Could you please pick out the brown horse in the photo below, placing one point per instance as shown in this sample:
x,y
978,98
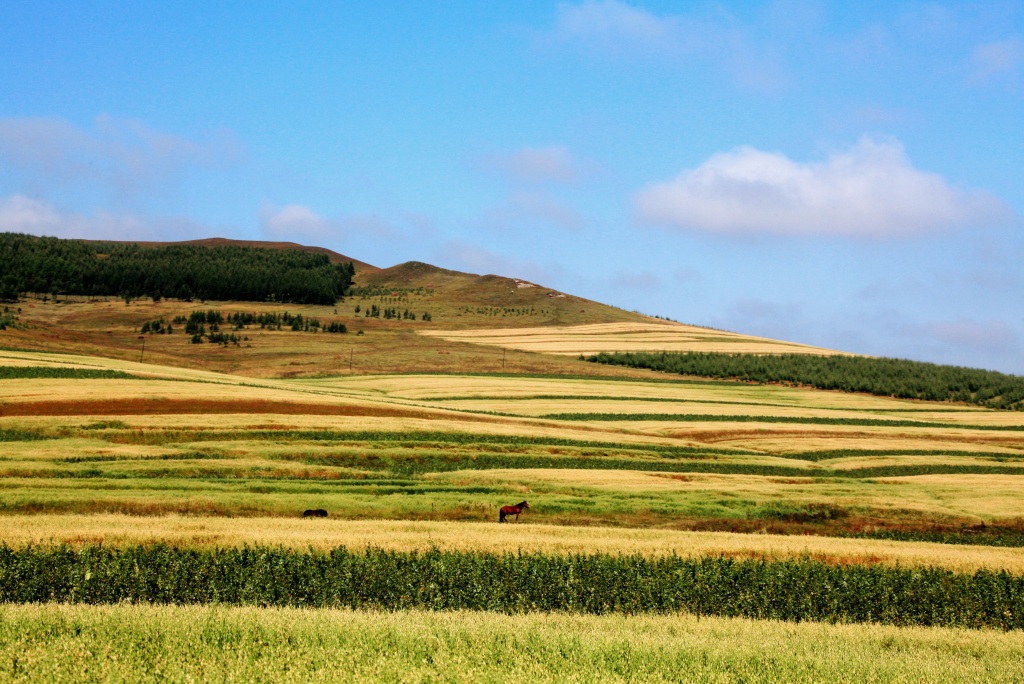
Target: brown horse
x,y
512,510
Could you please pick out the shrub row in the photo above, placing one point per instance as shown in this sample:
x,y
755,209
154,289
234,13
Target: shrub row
x,y
61,373
793,590
879,376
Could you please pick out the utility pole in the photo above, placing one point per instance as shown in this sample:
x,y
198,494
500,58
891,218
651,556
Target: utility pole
x,y
351,353
503,351
143,338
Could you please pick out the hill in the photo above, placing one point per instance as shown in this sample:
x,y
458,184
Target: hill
x,y
470,300
90,268
409,317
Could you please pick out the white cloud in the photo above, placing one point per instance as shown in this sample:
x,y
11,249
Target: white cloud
x,y
535,165
870,190
120,156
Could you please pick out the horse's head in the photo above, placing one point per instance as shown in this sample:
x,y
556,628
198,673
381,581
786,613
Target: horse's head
x,y
524,505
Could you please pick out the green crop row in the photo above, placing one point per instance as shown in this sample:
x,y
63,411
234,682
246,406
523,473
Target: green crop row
x,y
804,420
988,535
793,590
61,373
410,439
829,454
405,466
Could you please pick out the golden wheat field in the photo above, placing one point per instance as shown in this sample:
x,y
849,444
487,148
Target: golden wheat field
x,y
625,336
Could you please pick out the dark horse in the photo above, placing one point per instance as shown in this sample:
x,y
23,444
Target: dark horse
x,y
314,513
512,510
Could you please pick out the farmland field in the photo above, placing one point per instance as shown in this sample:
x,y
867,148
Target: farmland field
x,y
210,448
90,643
632,336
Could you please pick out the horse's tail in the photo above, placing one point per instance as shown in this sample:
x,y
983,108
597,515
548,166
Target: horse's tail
x,y
501,516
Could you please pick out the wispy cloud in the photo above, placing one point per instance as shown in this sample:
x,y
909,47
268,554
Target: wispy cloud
x,y
465,256
536,208
871,190
297,222
999,59
22,214
615,25
621,30
552,164
636,280
979,338
122,157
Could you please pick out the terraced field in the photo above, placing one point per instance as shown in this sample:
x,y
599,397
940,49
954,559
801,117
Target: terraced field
x,y
673,454
113,454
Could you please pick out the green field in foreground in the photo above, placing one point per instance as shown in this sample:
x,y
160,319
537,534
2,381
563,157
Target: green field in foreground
x,y
144,643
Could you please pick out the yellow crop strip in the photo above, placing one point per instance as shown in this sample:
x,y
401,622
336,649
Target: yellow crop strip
x,y
634,336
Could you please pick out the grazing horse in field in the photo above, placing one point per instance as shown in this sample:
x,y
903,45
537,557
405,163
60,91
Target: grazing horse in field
x,y
512,510
314,513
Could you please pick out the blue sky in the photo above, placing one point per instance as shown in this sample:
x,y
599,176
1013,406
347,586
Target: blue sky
x,y
840,174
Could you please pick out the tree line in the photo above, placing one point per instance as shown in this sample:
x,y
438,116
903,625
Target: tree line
x,y
885,377
81,267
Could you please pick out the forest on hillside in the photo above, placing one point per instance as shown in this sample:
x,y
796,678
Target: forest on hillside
x,y
885,377
79,267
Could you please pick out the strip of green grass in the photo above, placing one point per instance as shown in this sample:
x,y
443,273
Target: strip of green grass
x,y
20,435
831,454
417,464
406,439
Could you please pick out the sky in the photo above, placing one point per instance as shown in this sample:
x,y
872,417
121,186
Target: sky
x,y
839,174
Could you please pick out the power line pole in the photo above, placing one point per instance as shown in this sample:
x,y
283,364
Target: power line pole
x,y
143,338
